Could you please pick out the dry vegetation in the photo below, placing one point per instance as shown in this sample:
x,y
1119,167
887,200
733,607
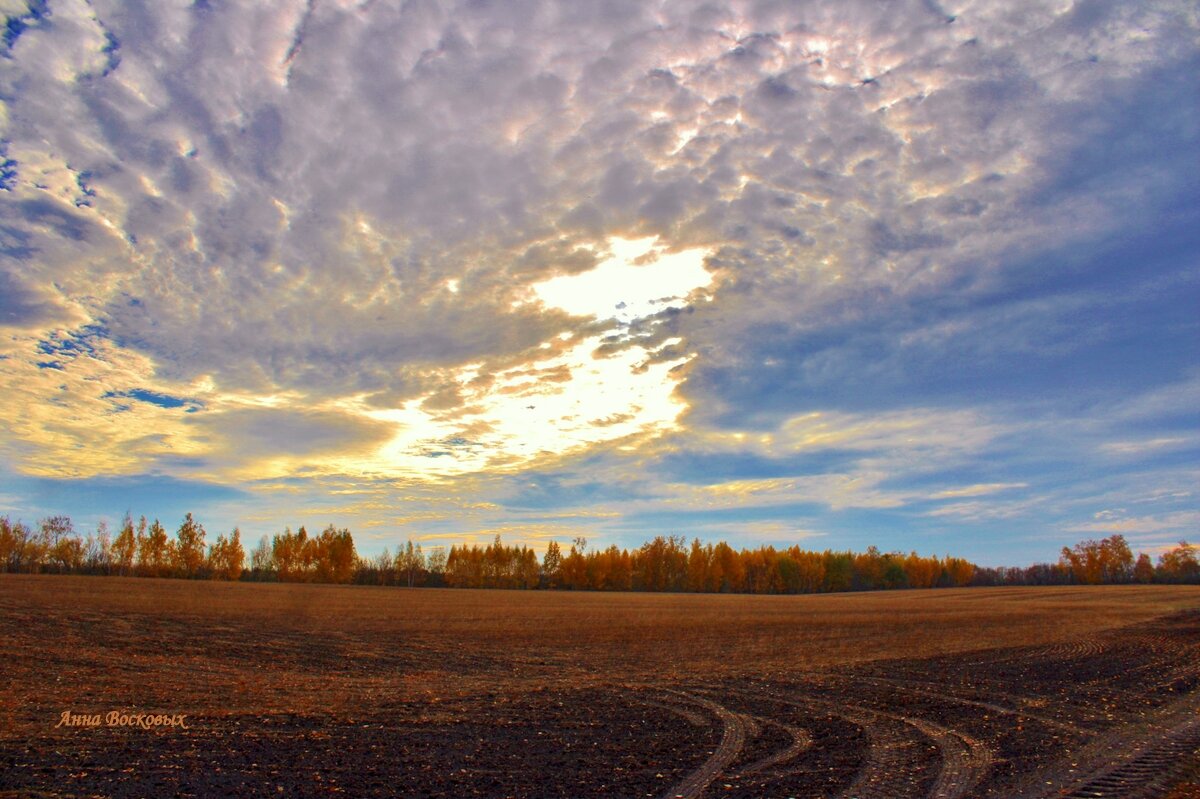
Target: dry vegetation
x,y
375,691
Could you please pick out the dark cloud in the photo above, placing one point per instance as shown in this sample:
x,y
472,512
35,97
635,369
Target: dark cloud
x,y
254,434
53,218
20,306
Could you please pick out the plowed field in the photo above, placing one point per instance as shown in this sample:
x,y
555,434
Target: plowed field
x,y
323,690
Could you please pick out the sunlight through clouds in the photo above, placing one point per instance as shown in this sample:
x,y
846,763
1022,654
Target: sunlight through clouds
x,y
636,281
533,413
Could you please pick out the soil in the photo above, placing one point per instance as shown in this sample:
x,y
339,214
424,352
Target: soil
x,y
272,711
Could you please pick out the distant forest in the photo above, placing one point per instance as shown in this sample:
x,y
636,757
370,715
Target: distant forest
x,y
667,563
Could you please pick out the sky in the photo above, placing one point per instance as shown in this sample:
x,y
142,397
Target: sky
x,y
921,275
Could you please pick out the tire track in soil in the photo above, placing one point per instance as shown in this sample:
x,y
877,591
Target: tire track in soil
x,y
1169,661
1148,775
1181,672
801,741
1071,649
883,774
1128,763
912,687
1163,655
965,761
733,739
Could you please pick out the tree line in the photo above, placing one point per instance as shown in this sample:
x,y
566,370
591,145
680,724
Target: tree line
x,y
670,563
1108,561
666,563
143,550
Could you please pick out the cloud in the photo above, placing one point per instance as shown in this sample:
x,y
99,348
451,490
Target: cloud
x,y
900,239
1183,523
266,442
976,490
1143,446
634,283
818,462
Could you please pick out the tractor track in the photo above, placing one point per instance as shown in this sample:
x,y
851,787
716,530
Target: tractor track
x,y
801,741
737,729
915,687
888,770
1129,762
733,739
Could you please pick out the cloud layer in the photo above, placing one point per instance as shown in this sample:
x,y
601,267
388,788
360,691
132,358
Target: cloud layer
x,y
949,268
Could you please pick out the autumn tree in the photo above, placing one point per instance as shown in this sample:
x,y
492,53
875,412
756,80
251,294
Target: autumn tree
x,y
697,566
725,571
921,572
1179,565
226,558
124,547
651,565
788,571
958,572
1117,559
335,556
839,570
26,548
613,570
759,567
189,549
574,567
235,556
662,564
528,574
811,568
498,565
154,551
8,544
62,548
410,563
1143,570
464,567
435,566
552,565
15,542
1094,562
287,554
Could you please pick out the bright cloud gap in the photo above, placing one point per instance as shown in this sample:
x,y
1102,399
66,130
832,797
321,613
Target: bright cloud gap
x,y
638,280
